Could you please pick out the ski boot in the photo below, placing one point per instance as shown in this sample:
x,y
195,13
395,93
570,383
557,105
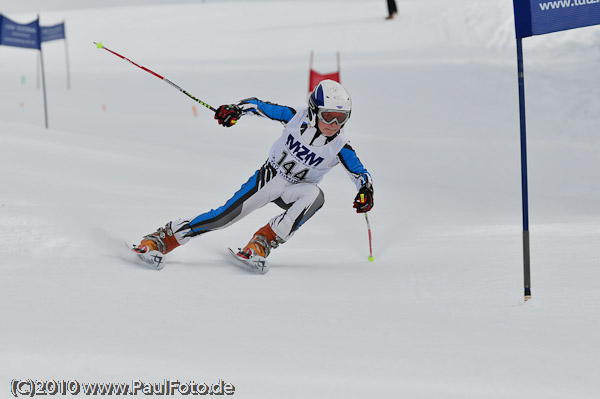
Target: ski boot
x,y
254,254
162,241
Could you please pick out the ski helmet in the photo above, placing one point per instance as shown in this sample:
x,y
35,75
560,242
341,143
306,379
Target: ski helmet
x,y
330,102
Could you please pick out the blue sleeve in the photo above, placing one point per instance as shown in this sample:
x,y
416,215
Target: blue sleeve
x,y
276,112
356,170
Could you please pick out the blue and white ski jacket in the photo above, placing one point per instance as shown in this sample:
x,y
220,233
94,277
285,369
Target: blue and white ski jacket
x,y
302,153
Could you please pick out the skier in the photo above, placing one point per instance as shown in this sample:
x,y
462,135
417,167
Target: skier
x,y
392,9
311,144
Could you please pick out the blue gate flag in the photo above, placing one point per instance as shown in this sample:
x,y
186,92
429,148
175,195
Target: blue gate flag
x,y
538,17
54,32
20,35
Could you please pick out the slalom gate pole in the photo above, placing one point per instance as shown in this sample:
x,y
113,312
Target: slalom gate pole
x,y
370,239
44,86
525,198
67,58
101,46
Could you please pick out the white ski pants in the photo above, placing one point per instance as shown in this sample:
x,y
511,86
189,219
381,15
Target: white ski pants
x,y
300,202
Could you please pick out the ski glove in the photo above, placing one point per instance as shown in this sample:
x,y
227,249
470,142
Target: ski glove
x,y
363,202
228,115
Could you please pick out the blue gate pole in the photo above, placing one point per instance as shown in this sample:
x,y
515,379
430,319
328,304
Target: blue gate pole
x,y
43,74
525,200
67,56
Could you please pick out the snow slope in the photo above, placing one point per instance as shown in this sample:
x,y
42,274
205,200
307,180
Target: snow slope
x,y
438,314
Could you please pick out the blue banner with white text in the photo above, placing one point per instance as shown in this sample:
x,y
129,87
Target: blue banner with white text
x,y
54,32
538,17
20,35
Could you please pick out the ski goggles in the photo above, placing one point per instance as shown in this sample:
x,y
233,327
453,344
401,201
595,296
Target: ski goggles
x,y
329,116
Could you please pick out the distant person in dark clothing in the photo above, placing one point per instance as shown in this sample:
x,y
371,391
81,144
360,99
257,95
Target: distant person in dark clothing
x,y
392,9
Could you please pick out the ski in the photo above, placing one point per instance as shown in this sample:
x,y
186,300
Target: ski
x,y
257,264
153,259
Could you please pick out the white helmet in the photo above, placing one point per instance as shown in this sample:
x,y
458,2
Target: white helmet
x,y
330,102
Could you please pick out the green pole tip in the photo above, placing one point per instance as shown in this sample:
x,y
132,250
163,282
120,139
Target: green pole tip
x,y
371,259
99,45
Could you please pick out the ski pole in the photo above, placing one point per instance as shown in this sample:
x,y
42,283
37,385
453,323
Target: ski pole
x,y
101,46
362,200
371,259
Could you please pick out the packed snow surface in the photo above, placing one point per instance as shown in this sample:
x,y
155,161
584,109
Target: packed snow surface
x,y
438,314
